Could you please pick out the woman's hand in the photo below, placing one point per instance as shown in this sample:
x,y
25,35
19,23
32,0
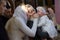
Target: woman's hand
x,y
36,15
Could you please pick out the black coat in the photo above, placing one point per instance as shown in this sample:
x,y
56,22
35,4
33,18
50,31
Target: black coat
x,y
29,23
3,33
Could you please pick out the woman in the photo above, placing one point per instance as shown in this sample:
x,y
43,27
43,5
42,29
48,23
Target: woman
x,y
47,25
52,17
16,26
31,13
3,20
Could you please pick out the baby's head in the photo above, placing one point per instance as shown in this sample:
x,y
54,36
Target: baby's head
x,y
41,10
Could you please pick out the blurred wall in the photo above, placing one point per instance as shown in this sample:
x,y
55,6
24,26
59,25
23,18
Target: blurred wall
x,y
57,10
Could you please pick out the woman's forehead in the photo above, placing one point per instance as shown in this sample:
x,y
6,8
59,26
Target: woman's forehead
x,y
4,2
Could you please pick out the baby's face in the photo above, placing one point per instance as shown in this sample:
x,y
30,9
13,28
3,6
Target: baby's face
x,y
39,12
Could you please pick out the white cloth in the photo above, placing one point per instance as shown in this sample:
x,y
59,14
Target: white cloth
x,y
48,26
17,28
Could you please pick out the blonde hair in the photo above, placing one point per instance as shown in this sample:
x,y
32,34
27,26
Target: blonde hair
x,y
29,6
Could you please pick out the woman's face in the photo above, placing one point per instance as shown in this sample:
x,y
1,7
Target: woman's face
x,y
3,7
31,12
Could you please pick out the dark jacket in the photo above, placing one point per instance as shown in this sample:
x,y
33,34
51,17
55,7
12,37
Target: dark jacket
x,y
3,33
